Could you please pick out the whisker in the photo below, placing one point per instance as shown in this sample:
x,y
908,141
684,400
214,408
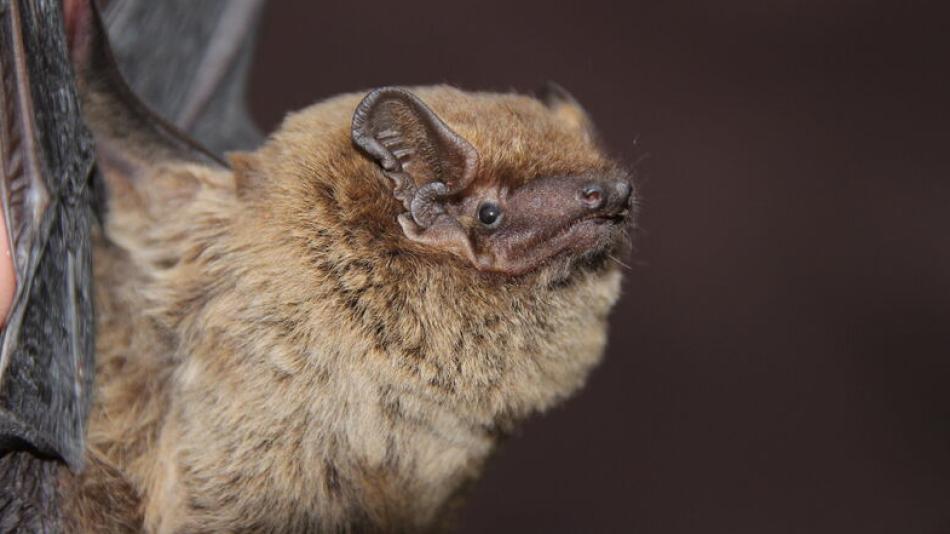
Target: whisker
x,y
622,264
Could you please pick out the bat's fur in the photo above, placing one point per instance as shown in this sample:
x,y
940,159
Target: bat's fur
x,y
275,356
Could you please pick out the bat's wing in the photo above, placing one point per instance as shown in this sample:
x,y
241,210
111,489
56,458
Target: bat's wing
x,y
189,61
46,157
46,352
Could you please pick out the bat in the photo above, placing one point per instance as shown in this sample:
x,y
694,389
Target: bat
x,y
333,331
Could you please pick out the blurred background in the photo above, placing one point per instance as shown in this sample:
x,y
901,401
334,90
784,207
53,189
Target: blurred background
x,y
780,360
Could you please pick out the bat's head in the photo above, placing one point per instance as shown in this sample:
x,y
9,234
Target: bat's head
x,y
502,184
517,184
470,234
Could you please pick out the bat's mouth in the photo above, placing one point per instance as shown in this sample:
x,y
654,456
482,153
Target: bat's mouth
x,y
608,220
599,227
586,236
596,231
618,218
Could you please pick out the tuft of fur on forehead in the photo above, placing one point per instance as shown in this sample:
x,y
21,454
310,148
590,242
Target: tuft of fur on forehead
x,y
518,138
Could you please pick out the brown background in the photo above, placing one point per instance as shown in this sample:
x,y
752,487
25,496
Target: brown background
x,y
780,360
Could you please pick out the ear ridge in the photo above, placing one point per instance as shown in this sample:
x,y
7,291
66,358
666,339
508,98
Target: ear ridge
x,y
414,148
567,109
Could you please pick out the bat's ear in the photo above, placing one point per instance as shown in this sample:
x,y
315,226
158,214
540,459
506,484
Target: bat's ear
x,y
427,162
414,147
566,108
130,140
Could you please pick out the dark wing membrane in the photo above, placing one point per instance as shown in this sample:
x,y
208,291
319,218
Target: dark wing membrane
x,y
46,353
188,61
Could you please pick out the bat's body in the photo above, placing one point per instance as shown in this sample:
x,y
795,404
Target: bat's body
x,y
332,332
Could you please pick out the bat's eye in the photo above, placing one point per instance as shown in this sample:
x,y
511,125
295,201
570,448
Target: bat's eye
x,y
489,214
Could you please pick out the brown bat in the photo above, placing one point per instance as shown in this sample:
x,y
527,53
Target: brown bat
x,y
331,333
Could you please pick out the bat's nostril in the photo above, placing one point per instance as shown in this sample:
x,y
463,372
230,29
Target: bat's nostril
x,y
592,196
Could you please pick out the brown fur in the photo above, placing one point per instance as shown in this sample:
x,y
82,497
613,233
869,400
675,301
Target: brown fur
x,y
275,356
